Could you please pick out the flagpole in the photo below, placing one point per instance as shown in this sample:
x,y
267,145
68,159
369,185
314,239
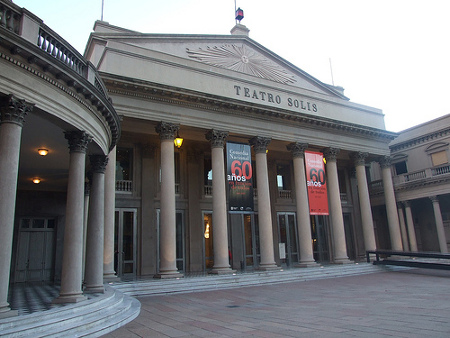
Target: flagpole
x,y
103,3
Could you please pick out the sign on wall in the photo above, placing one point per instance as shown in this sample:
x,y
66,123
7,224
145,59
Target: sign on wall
x,y
316,183
239,177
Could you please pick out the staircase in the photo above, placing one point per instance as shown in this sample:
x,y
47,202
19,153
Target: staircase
x,y
217,282
100,314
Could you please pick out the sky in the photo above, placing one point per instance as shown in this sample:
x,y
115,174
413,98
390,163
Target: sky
x,y
389,54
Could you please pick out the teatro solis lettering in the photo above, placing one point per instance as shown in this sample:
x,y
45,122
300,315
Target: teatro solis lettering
x,y
272,98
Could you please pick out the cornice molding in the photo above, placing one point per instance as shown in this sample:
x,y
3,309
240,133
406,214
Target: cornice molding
x,y
194,100
421,139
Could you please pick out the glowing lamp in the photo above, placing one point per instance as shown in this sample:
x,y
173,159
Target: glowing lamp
x,y
178,141
42,151
36,180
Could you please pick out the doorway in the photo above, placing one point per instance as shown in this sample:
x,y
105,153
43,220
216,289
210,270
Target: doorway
x,y
35,250
320,238
287,238
125,241
245,253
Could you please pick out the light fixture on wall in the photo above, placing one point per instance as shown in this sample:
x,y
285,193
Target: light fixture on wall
x,y
42,151
36,180
178,141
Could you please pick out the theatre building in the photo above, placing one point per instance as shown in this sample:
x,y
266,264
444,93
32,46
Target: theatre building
x,y
275,169
225,96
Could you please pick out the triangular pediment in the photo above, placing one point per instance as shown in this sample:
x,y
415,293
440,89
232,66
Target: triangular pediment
x,y
235,53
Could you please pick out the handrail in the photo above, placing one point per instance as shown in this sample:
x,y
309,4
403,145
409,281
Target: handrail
x,y
417,264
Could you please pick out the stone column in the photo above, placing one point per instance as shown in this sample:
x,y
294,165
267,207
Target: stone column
x,y
410,226
110,203
391,205
71,276
95,228
13,112
264,210
439,224
403,231
219,215
364,201
337,220
87,191
167,220
301,198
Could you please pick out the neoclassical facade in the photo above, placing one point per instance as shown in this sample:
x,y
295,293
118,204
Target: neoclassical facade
x,y
172,202
93,186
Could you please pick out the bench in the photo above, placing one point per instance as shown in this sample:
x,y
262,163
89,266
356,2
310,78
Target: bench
x,y
387,260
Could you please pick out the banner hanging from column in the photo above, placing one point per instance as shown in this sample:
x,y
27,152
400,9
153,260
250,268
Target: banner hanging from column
x,y
239,177
316,183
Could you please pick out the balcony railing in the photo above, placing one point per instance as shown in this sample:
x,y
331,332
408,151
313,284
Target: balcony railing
x,y
284,194
422,174
124,186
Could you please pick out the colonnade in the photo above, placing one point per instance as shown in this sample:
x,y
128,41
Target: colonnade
x,y
13,112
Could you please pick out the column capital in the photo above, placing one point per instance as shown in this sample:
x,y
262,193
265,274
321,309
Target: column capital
x,y
385,161
78,140
166,130
260,143
359,158
331,154
216,137
98,163
14,110
434,198
297,149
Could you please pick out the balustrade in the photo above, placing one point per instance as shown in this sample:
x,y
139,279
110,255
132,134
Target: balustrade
x,y
124,186
10,18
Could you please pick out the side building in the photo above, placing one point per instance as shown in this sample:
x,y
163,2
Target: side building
x,y
421,175
171,203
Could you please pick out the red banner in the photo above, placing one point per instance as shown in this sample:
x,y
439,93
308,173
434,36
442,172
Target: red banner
x,y
316,183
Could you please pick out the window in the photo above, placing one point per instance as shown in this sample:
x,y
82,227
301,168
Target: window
x,y
439,158
283,177
124,160
400,168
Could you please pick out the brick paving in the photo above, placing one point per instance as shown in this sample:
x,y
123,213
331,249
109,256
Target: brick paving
x,y
407,303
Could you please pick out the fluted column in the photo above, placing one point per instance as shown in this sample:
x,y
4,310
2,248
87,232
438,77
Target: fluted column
x,y
110,203
301,198
410,226
439,224
364,201
95,229
391,205
337,220
13,112
167,226
71,276
403,231
264,209
219,222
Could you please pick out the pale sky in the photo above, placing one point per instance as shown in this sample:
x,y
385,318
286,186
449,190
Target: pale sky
x,y
390,54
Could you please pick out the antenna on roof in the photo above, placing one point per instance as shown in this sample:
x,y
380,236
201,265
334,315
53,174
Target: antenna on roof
x,y
103,5
331,70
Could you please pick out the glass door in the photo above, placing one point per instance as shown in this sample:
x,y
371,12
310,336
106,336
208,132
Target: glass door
x,y
125,241
288,242
320,238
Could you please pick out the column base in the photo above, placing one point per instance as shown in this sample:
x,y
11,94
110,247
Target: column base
x,y
94,289
110,278
168,275
308,264
7,313
221,271
269,267
342,261
62,299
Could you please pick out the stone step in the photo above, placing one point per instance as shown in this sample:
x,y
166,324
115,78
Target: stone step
x,y
94,317
216,282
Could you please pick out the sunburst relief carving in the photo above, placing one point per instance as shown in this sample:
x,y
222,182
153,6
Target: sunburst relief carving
x,y
242,59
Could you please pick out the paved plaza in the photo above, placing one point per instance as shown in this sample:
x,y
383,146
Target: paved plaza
x,y
406,303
